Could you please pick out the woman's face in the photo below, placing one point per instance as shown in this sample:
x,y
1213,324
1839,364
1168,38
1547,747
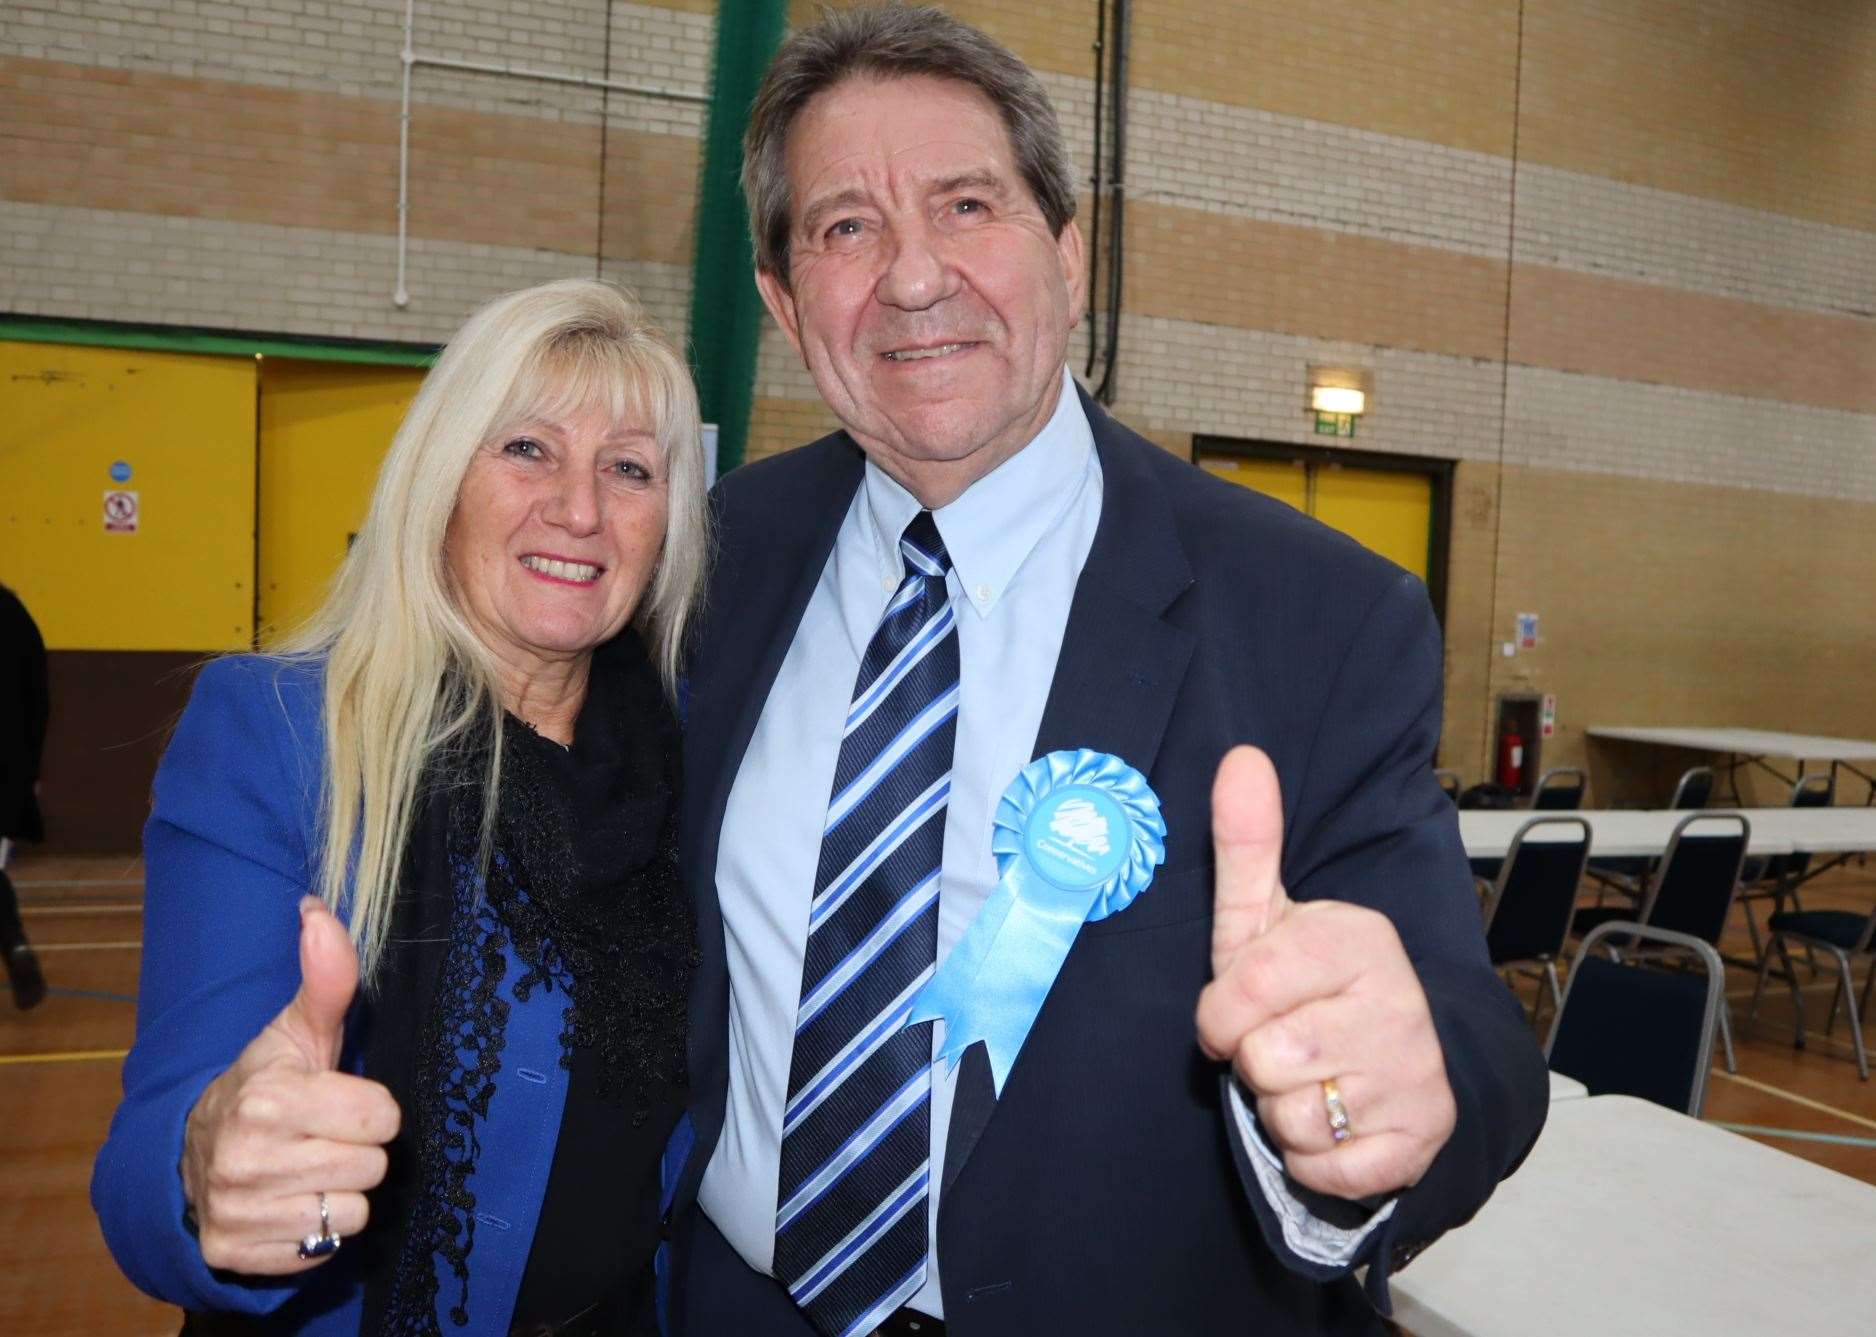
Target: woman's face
x,y
555,536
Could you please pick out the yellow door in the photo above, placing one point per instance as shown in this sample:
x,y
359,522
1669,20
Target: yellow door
x,y
325,427
127,496
1385,510
1382,509
1286,480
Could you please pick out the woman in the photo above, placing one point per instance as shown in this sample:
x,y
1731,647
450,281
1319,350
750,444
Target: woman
x,y
469,754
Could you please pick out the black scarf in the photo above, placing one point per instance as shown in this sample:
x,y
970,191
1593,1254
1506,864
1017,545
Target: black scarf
x,y
582,886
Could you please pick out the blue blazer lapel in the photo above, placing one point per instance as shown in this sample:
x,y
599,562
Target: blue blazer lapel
x,y
1119,673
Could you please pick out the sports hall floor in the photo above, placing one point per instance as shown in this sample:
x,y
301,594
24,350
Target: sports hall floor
x,y
59,1067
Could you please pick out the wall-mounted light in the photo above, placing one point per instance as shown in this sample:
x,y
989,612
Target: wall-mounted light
x,y
1337,399
1336,396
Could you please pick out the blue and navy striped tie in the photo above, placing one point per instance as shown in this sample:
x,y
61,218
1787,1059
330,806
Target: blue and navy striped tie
x,y
850,1229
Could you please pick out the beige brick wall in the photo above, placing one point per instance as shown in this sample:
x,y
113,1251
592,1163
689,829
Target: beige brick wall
x,y
1649,339
1681,603
1762,103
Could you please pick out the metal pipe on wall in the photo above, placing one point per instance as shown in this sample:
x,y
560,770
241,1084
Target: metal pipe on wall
x,y
1109,388
412,59
1094,202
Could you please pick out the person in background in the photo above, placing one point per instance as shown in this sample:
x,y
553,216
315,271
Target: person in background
x,y
25,706
433,1097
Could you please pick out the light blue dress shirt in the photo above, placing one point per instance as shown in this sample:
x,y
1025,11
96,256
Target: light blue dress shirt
x,y
1018,539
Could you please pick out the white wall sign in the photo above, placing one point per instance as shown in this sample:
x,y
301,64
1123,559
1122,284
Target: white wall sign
x,y
120,512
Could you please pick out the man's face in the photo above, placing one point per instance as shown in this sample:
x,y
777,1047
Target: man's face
x,y
927,296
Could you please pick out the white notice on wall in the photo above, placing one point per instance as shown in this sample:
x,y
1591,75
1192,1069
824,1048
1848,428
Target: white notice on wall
x,y
120,512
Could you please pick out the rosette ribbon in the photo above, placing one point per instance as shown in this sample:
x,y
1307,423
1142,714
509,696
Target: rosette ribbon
x,y
1077,836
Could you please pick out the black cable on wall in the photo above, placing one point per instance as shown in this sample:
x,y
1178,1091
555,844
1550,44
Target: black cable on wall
x,y
1117,208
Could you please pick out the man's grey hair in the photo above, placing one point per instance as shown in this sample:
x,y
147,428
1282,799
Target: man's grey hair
x,y
894,42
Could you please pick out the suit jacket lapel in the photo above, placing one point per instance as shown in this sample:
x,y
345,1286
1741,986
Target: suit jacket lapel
x,y
1118,675
786,561
772,562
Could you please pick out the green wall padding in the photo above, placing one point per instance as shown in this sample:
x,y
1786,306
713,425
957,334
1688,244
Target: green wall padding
x,y
726,312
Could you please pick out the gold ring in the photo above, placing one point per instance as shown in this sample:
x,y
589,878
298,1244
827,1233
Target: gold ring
x,y
1338,1112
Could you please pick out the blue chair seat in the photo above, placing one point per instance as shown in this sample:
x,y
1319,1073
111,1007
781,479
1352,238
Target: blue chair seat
x,y
1839,928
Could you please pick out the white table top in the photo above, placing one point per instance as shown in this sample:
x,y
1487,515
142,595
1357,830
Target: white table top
x,y
1818,830
1629,1218
1566,1088
1618,832
1745,742
1613,832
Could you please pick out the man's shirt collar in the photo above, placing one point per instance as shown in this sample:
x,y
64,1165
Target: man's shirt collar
x,y
992,528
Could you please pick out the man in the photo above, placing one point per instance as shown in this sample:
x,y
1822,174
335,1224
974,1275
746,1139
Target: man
x,y
983,569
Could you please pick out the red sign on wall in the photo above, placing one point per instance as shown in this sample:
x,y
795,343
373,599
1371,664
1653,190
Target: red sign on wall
x,y
120,512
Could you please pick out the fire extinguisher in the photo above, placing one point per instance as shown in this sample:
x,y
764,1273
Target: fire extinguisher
x,y
1510,757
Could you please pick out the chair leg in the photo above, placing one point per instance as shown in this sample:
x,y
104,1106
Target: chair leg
x,y
1556,992
1846,987
1836,1001
1726,1033
1797,995
1758,987
1752,924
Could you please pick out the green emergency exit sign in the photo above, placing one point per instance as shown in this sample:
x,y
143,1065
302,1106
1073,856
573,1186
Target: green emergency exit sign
x,y
1335,424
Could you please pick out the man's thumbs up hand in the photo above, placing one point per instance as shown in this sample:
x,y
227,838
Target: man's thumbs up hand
x,y
282,1125
1308,993
1247,849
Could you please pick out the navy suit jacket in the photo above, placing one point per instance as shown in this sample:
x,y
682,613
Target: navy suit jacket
x,y
1104,1191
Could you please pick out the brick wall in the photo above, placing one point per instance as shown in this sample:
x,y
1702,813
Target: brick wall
x,y
1617,257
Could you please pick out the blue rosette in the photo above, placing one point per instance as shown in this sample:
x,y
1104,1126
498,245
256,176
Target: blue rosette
x,y
1077,837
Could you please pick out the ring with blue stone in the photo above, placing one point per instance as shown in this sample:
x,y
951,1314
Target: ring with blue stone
x,y
325,1243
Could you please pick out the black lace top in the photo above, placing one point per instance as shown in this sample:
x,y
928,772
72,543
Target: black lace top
x,y
583,888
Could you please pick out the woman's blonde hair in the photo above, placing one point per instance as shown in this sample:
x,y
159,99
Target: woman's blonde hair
x,y
404,673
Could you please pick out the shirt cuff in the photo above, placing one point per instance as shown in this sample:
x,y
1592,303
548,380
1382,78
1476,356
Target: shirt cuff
x,y
1309,1236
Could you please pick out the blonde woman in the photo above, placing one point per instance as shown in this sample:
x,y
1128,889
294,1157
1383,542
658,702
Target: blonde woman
x,y
432,1096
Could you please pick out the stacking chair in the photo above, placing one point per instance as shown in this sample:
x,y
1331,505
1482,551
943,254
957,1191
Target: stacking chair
x,y
1632,1030
1527,914
1627,875
1842,933
1450,783
1778,875
1692,890
1486,797
1692,790
1560,789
